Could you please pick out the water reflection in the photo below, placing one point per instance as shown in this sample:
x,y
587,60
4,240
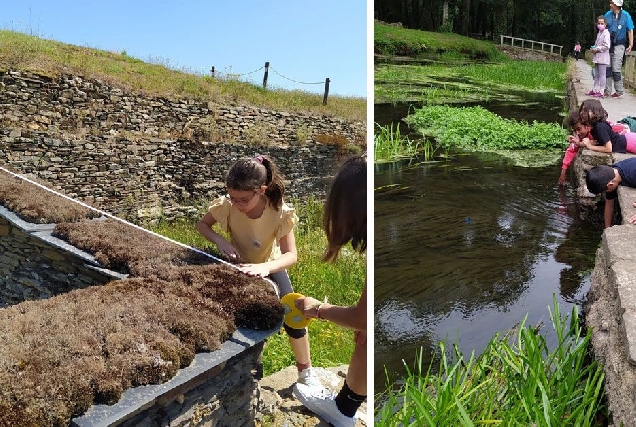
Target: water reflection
x,y
467,248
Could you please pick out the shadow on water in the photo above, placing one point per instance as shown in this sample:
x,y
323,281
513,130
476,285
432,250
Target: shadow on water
x,y
476,244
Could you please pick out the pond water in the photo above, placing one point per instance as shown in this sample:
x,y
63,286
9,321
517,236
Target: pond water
x,y
467,247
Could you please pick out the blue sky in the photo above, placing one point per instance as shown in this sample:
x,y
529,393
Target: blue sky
x,y
305,41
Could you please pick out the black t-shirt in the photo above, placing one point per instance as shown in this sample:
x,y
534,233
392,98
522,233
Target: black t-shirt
x,y
627,171
602,132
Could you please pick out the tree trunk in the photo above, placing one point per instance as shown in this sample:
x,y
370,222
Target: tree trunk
x,y
465,17
445,12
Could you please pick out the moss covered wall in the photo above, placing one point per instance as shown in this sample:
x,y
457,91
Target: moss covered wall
x,y
32,268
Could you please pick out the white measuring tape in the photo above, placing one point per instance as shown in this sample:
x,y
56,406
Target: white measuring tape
x,y
106,214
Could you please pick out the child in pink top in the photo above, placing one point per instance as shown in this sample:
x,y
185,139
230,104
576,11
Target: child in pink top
x,y
601,57
582,137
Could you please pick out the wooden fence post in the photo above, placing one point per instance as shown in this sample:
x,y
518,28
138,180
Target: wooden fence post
x,y
324,98
212,71
265,76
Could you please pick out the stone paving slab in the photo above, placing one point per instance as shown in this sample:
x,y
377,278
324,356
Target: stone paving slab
x,y
616,108
611,306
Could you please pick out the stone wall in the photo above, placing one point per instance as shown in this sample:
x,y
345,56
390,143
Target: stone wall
x,y
217,389
139,156
33,267
610,310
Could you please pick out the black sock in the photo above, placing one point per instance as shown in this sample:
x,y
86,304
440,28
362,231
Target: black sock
x,y
347,401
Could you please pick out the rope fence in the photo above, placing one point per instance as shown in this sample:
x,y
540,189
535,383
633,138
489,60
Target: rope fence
x,y
266,67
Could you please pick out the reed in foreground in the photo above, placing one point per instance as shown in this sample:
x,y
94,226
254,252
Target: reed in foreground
x,y
517,380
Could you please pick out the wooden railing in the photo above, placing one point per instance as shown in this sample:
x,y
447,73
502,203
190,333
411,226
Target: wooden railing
x,y
531,44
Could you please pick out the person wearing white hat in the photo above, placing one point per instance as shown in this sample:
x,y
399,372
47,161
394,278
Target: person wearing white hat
x,y
621,28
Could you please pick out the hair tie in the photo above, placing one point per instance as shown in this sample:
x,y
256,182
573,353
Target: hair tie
x,y
259,159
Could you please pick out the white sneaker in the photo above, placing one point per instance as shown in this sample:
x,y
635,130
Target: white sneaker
x,y
308,377
321,401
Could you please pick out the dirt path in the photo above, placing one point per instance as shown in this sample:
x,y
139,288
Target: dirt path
x,y
279,407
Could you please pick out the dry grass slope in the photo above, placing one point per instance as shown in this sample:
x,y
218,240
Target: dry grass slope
x,y
61,355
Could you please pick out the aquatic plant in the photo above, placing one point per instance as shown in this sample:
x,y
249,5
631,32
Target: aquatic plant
x,y
390,145
470,82
477,129
515,381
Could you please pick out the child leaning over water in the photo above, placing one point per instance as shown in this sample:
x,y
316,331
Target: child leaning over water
x,y
606,138
261,228
606,179
582,137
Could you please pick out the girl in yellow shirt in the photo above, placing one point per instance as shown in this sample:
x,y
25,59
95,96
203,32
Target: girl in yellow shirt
x,y
261,229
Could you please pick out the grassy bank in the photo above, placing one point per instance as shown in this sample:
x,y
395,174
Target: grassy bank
x,y
517,380
456,77
157,77
341,282
392,40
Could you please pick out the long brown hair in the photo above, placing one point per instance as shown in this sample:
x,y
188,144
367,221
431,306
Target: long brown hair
x,y
345,216
598,112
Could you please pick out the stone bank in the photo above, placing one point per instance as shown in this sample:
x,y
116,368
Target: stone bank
x,y
610,308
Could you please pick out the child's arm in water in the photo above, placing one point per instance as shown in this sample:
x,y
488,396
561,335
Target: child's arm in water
x,y
570,154
608,212
288,257
204,227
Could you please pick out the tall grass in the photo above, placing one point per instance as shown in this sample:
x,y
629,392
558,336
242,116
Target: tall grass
x,y
515,381
390,145
157,76
341,282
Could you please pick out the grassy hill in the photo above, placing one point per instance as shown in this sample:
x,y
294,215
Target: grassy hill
x,y
20,51
395,40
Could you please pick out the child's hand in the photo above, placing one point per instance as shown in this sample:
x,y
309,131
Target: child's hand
x,y
307,305
584,143
573,139
360,337
259,270
562,177
229,251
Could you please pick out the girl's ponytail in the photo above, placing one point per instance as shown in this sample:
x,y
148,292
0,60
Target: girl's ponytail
x,y
274,182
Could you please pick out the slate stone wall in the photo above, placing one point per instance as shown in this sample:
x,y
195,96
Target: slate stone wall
x,y
139,156
32,269
228,398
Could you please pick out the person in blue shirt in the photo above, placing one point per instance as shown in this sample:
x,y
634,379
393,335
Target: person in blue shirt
x,y
606,179
621,28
